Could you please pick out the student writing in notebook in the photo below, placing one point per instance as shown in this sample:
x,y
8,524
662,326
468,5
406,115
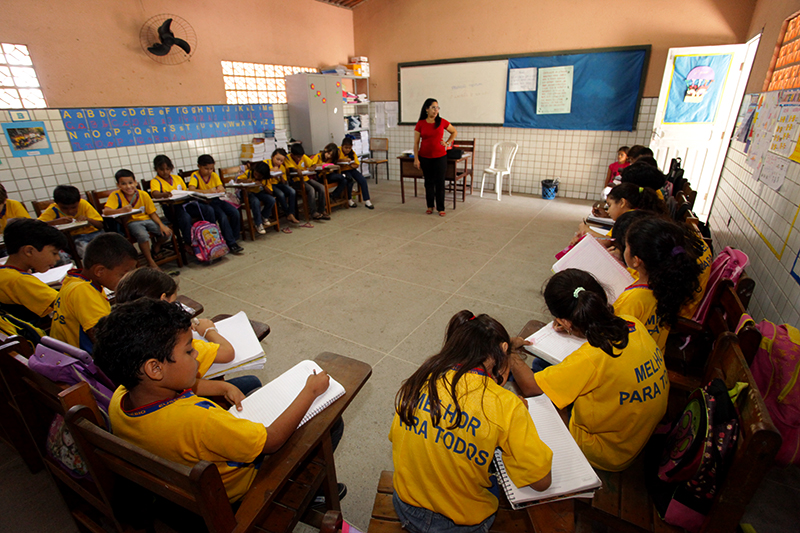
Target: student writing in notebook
x,y
146,346
664,256
623,198
450,416
325,163
261,202
616,381
206,181
67,207
213,348
297,163
348,161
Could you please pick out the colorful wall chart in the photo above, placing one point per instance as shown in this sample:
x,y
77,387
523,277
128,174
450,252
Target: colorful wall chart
x,y
100,127
696,87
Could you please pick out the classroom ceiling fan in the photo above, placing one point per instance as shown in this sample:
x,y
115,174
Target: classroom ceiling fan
x,y
168,39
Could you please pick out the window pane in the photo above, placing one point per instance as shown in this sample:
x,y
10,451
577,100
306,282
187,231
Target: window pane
x,y
9,99
24,77
231,95
17,54
227,69
32,98
5,77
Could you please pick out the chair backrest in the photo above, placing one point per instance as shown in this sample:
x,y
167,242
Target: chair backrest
x,y
503,154
98,199
228,173
198,489
186,173
379,144
145,185
40,205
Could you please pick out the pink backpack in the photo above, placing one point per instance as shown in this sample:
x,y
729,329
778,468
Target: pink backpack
x,y
207,242
775,370
729,264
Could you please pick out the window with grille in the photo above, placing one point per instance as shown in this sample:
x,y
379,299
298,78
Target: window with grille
x,y
19,86
254,83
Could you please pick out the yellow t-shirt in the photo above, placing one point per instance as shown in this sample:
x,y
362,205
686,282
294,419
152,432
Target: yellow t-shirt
x,y
195,180
304,164
618,400
353,156
638,301
248,177
274,180
206,353
704,261
447,471
85,209
162,185
12,209
78,308
140,199
20,291
187,430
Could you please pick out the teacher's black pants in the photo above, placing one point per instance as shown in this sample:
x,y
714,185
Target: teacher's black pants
x,y
434,169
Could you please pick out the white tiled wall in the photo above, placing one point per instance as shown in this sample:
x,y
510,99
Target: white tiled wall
x,y
33,178
739,198
579,159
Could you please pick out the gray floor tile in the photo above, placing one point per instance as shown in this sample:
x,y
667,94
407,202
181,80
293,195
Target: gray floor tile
x,y
351,247
461,235
506,281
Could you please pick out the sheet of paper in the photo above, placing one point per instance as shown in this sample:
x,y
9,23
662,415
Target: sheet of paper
x,y
132,212
555,90
238,331
787,129
55,275
521,79
773,171
553,346
764,121
392,110
591,256
72,225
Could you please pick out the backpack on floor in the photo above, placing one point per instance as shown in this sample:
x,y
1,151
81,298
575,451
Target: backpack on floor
x,y
687,462
207,241
775,370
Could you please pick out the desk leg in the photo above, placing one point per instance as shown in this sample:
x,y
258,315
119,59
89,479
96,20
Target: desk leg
x,y
330,485
402,187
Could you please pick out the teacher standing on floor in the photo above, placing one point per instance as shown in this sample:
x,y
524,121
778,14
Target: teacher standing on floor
x,y
430,152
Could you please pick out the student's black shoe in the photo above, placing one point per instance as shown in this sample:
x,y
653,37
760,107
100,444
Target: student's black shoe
x,y
236,249
319,499
369,206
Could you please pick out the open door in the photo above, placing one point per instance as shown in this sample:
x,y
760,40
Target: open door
x,y
701,92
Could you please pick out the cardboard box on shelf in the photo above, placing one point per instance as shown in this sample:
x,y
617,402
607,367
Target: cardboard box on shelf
x,y
359,59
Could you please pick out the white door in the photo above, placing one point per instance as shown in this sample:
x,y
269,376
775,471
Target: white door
x,y
701,92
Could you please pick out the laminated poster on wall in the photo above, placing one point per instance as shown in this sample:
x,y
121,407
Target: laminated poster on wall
x,y
696,87
764,122
26,139
787,128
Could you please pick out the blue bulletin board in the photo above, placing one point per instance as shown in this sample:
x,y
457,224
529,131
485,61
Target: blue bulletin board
x,y
101,127
606,89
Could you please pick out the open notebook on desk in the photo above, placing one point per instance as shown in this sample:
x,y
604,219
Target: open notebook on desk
x,y
589,255
553,346
248,352
573,476
268,402
131,212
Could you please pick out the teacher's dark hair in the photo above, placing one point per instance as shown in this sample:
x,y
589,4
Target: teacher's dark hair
x,y
424,113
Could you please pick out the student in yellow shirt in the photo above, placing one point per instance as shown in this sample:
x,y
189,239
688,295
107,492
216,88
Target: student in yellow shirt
x,y
141,225
346,153
623,199
450,415
213,348
262,202
10,209
279,186
206,181
330,156
298,162
32,247
69,207
146,347
162,186
82,302
616,382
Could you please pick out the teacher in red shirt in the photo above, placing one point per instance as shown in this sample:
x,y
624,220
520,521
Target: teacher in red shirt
x,y
430,152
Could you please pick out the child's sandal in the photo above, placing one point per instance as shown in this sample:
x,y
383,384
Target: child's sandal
x,y
286,230
307,225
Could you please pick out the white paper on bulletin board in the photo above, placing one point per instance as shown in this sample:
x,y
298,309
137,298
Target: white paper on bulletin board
x,y
764,122
773,171
555,90
521,79
785,137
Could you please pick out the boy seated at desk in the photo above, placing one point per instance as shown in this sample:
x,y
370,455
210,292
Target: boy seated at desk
x,y
146,347
69,207
32,246
82,302
10,209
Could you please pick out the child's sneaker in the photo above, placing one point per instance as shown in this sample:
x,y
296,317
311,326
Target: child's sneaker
x,y
260,229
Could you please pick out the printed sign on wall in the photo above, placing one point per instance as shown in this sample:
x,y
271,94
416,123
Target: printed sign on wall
x,y
98,127
27,139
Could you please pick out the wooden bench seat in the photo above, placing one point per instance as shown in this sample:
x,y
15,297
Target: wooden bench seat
x,y
384,519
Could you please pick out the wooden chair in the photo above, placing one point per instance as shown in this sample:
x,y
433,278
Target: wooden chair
x,y
300,190
245,213
186,174
330,203
12,425
37,400
99,198
377,144
467,146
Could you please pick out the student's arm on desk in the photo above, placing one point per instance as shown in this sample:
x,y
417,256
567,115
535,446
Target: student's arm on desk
x,y
213,387
226,351
525,379
97,224
123,209
283,427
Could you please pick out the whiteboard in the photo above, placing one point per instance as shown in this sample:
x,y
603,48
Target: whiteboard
x,y
472,92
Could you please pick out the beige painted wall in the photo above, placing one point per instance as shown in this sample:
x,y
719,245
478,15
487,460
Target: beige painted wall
x,y
769,15
393,31
87,52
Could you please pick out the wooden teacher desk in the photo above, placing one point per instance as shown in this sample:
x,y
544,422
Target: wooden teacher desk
x,y
454,174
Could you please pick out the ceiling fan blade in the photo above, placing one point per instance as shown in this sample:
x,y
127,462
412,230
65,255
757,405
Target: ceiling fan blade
x,y
183,45
159,49
164,30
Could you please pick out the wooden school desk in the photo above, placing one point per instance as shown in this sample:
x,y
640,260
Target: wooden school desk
x,y
454,174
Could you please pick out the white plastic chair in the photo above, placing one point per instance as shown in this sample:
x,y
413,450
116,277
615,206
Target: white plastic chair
x,y
502,158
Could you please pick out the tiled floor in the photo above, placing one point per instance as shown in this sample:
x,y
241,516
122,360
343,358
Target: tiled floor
x,y
379,286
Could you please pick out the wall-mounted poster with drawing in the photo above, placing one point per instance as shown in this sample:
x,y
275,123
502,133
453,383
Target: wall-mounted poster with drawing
x,y
27,139
696,88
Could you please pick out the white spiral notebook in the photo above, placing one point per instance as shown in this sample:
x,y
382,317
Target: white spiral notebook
x,y
268,402
590,256
553,346
573,476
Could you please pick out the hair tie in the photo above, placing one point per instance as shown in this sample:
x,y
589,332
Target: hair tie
x,y
641,190
677,250
472,318
577,291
